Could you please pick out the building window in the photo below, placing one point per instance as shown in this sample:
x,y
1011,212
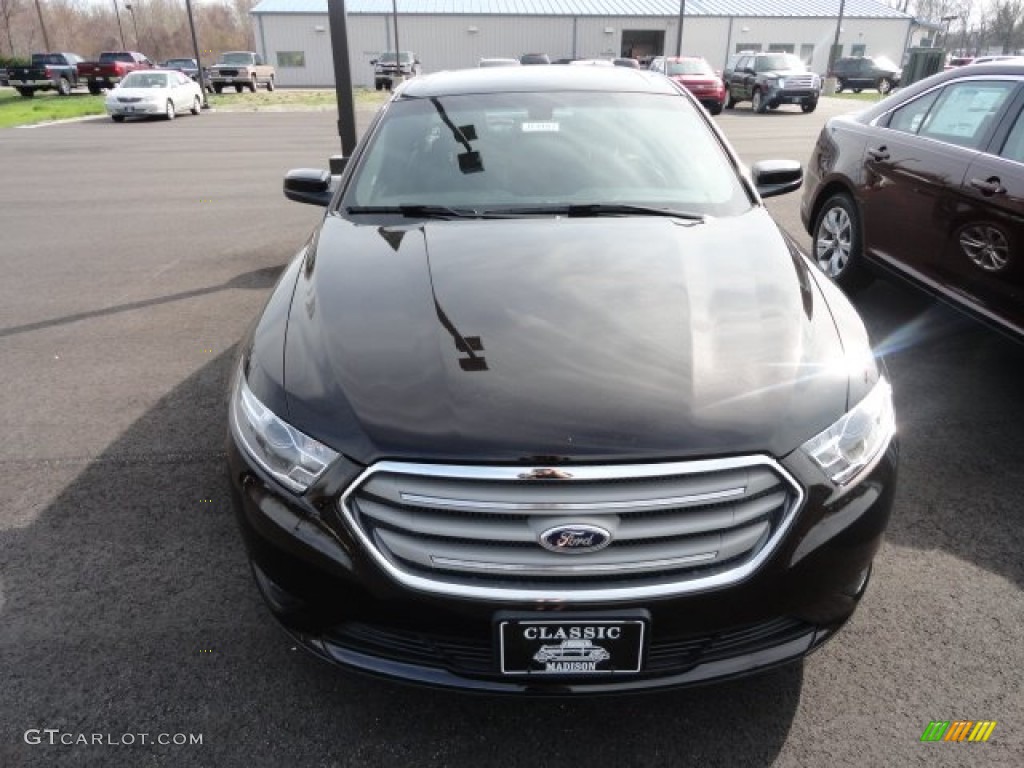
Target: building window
x,y
781,48
807,53
857,50
291,59
740,47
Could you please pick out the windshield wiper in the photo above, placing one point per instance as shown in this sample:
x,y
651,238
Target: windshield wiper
x,y
417,211
588,210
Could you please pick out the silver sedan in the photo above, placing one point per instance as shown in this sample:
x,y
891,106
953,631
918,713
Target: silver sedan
x,y
154,92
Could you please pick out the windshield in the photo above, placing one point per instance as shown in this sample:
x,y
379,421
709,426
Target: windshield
x,y
690,67
502,151
180,63
236,58
389,57
108,56
780,61
145,80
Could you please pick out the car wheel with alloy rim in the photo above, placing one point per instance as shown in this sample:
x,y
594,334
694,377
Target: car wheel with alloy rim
x,y
169,112
758,103
837,243
197,106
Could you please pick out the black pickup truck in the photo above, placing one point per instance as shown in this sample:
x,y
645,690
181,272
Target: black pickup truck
x,y
47,72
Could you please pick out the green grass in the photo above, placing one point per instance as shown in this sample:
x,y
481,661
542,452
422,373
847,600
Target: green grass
x,y
862,96
47,106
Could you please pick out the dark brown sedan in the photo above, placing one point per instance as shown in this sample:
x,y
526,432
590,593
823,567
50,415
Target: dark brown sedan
x,y
929,184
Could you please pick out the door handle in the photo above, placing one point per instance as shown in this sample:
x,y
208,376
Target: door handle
x,y
988,187
882,153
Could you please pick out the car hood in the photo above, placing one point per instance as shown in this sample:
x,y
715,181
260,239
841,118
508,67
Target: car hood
x,y
544,339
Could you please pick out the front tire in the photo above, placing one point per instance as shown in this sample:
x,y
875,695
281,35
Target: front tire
x,y
757,102
27,93
270,83
884,85
809,106
95,90
729,103
117,118
218,88
252,85
238,88
840,85
64,87
837,246
169,112
197,106
716,109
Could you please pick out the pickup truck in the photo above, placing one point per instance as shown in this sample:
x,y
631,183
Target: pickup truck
x,y
46,72
110,68
388,69
242,69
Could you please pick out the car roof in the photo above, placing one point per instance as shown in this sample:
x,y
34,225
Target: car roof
x,y
535,79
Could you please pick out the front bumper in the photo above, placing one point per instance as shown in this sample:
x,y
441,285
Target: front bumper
x,y
335,600
136,109
791,95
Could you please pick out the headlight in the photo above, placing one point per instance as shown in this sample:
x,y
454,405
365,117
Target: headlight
x,y
293,458
853,442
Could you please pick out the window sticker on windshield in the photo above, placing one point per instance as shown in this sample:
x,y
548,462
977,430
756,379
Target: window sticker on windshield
x,y
548,127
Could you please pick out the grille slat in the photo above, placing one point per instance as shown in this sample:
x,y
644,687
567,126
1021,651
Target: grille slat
x,y
475,531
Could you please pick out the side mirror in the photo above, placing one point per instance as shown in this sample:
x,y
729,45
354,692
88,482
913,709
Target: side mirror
x,y
308,185
777,177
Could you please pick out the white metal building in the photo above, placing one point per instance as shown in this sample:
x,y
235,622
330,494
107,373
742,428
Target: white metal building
x,y
294,35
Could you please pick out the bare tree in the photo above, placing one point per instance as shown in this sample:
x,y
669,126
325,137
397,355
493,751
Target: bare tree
x,y
8,9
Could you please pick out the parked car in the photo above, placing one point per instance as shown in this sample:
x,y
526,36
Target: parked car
x,y
998,59
111,68
154,92
189,67
389,69
538,58
626,61
46,72
859,72
241,69
769,80
433,430
697,76
928,185
499,63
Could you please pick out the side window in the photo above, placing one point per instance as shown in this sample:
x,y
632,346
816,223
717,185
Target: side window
x,y
1013,149
964,112
910,117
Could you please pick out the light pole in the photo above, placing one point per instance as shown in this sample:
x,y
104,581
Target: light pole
x,y
128,7
120,29
834,53
679,31
195,50
945,34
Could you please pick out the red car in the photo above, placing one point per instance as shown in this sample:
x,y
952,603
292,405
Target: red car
x,y
697,76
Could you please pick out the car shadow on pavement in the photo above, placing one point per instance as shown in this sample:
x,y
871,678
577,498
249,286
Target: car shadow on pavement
x,y
258,279
966,412
127,608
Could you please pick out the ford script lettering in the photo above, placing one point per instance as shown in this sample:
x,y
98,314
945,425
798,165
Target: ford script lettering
x,y
575,539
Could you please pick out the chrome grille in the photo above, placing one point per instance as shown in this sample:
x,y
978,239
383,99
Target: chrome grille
x,y
474,531
799,81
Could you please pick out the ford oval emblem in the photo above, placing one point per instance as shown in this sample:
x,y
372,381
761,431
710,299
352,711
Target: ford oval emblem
x,y
575,539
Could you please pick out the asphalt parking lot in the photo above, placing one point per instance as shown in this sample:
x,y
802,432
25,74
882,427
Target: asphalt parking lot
x,y
134,256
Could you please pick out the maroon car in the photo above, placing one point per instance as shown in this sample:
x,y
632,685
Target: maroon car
x,y
697,76
929,185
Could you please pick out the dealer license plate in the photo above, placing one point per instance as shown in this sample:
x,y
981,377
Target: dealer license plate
x,y
573,647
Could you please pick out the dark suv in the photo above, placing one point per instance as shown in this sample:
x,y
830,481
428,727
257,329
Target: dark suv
x,y
860,72
768,80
